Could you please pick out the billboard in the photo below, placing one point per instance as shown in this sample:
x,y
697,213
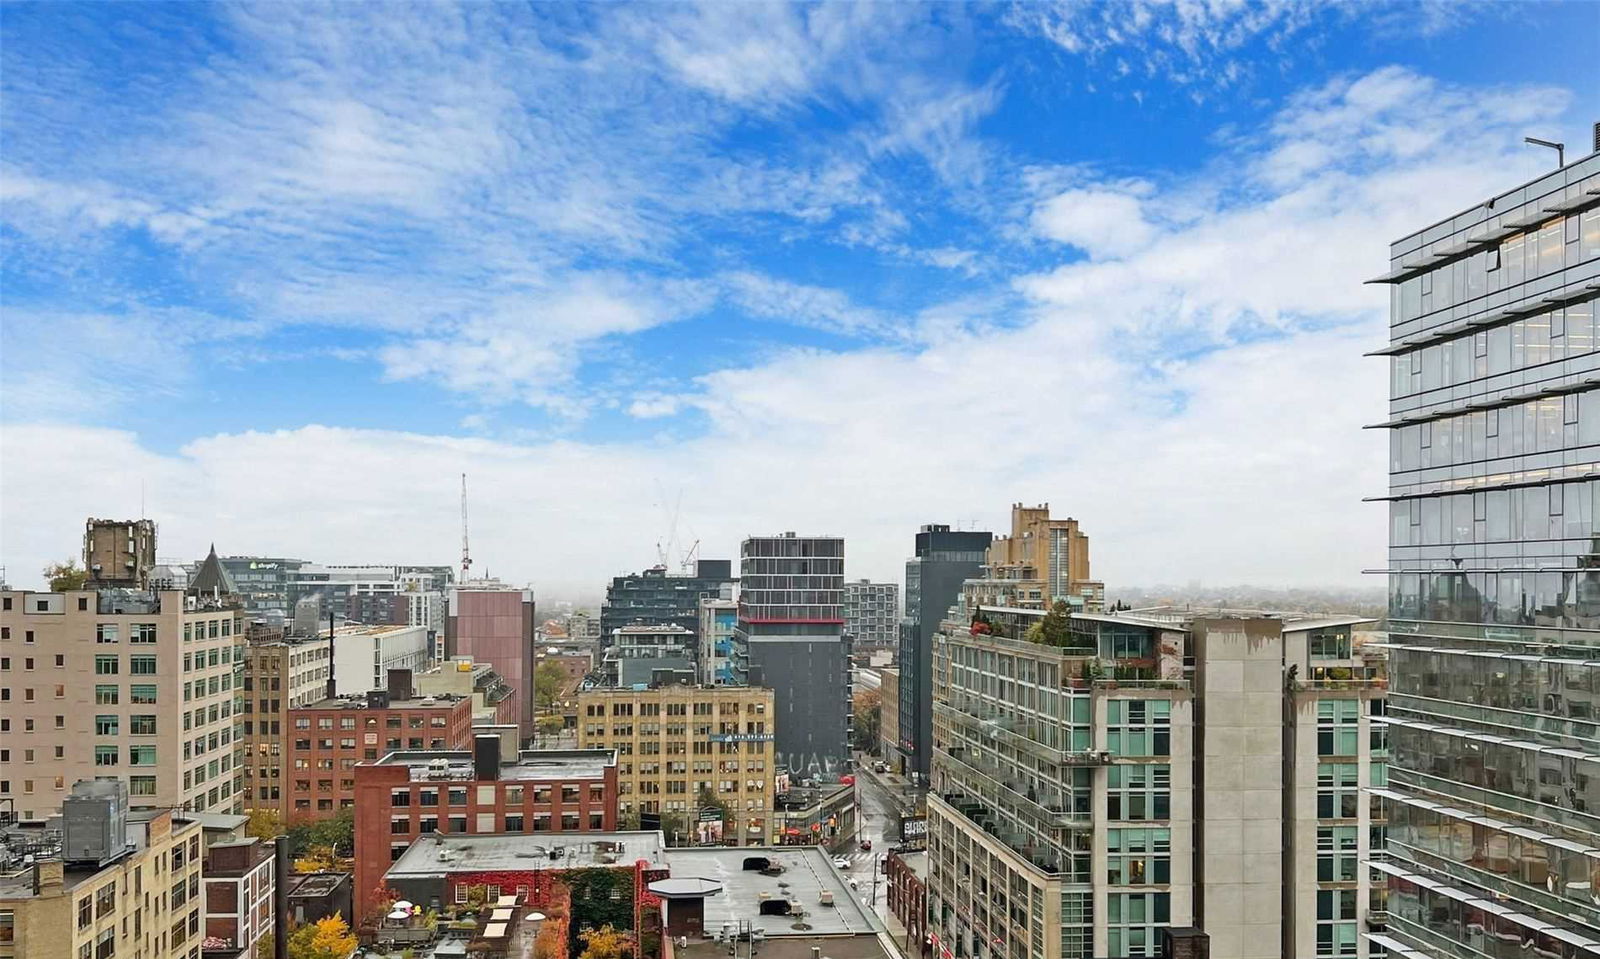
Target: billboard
x,y
913,828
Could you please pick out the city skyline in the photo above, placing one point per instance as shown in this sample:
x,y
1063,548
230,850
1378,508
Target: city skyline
x,y
282,288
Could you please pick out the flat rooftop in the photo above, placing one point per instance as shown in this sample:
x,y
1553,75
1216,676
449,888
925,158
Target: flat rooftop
x,y
808,871
316,883
532,764
795,947
359,701
466,853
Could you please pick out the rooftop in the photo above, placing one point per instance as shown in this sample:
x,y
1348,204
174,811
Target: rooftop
x,y
475,853
359,701
808,871
533,764
917,862
316,883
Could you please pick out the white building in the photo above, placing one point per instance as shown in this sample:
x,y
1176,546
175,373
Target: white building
x,y
872,614
718,617
363,655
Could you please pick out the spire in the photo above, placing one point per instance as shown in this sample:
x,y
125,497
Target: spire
x,y
211,577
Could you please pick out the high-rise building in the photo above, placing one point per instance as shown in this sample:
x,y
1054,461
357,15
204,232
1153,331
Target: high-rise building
x,y
122,684
280,674
1042,561
101,885
872,614
496,625
1494,577
718,618
656,597
699,757
262,584
790,638
944,559
1101,779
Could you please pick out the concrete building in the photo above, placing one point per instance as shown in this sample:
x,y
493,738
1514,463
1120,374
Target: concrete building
x,y
583,628
634,654
1043,560
790,638
128,890
1494,526
280,675
364,655
872,614
120,684
656,596
888,712
718,619
1100,780
240,882
943,560
677,745
412,795
496,626
492,701
328,738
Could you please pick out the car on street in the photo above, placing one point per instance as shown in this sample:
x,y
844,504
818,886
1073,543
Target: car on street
x,y
841,862
866,845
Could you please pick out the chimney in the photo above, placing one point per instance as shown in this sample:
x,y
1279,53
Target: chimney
x,y
486,757
1186,942
48,875
399,685
333,687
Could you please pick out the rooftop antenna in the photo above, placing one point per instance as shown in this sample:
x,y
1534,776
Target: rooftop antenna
x,y
466,552
1560,148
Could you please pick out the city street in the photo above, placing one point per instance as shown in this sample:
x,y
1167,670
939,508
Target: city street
x,y
878,820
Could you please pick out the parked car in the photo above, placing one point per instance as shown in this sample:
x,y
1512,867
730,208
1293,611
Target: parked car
x,y
841,862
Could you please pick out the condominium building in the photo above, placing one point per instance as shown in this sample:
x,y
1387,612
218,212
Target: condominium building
x,y
100,886
943,559
414,794
364,655
1042,561
328,738
1494,578
495,624
240,879
678,746
872,614
657,596
718,619
1100,779
790,638
634,654
280,675
135,686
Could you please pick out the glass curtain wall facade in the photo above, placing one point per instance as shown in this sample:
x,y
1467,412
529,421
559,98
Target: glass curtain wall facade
x,y
1493,796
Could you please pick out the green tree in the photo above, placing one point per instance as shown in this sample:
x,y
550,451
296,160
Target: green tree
x,y
337,832
264,824
1052,629
65,577
548,680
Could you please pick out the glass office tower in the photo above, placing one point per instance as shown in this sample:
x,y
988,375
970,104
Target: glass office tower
x,y
1493,799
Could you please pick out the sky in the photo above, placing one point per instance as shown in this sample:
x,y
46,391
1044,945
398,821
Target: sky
x,y
661,275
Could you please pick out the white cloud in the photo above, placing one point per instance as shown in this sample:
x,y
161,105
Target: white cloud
x,y
1103,223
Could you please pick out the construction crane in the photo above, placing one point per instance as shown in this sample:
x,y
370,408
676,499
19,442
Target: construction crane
x,y
666,548
466,552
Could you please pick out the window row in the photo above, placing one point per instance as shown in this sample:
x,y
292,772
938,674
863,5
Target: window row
x,y
1559,334
1570,598
1531,513
1547,425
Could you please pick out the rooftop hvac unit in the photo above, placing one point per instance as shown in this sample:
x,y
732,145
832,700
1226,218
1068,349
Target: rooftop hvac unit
x,y
94,821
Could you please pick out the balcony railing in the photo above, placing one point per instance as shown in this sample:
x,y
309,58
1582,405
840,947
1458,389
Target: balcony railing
x,y
1051,808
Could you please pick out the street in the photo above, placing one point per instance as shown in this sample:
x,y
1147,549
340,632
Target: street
x,y
878,820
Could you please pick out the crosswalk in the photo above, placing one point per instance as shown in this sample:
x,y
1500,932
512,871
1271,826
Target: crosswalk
x,y
860,861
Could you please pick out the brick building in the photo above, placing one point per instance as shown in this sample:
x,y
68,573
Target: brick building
x,y
327,739
279,675
413,793
907,874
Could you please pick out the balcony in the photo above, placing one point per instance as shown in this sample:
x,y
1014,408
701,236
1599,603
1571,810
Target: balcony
x,y
1050,807
1020,734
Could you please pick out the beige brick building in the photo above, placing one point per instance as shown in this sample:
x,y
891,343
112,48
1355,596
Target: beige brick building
x,y
146,904
676,743
115,683
279,675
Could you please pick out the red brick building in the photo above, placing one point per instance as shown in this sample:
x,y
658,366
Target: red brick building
x,y
908,897
326,740
407,795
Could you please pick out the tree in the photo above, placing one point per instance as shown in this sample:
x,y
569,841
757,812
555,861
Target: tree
x,y
264,824
319,859
327,938
1052,629
547,682
337,832
65,577
550,725
866,717
607,942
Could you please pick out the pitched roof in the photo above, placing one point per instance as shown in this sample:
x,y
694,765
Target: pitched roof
x,y
211,577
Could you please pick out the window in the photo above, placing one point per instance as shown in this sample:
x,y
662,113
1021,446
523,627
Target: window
x,y
105,665
1333,643
1139,727
399,797
106,633
142,665
1337,730
1136,792
105,755
1337,856
142,785
142,755
105,725
143,634
142,694
1136,857
142,724
1337,795
1134,921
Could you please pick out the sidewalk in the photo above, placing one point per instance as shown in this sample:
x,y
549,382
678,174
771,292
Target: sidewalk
x,y
895,785
897,932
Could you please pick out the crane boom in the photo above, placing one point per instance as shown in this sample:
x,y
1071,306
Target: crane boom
x,y
466,551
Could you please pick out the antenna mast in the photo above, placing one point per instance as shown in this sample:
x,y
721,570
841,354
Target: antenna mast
x,y
466,552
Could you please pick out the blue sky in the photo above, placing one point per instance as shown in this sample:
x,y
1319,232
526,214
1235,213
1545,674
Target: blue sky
x,y
291,268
